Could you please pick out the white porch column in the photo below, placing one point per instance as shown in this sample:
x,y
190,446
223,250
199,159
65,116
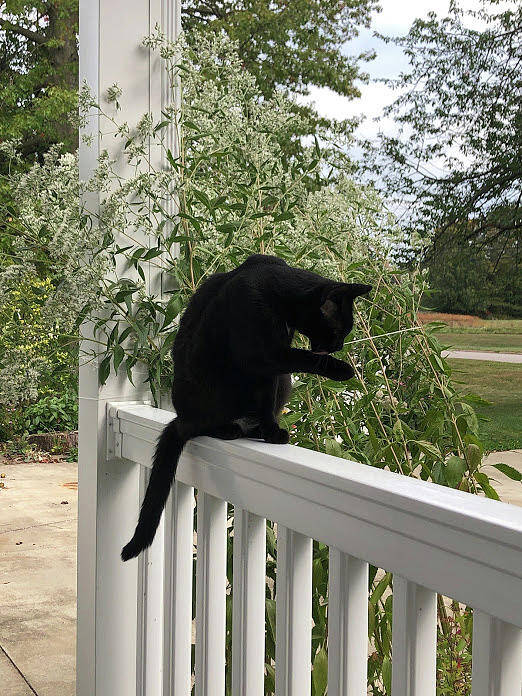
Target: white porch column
x,y
109,660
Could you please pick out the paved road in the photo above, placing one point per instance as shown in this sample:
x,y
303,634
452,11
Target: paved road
x,y
482,355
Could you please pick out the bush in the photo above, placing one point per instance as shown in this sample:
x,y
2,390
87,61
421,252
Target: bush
x,y
47,275
52,414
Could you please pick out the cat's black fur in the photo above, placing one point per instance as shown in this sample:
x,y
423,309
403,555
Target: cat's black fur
x,y
233,359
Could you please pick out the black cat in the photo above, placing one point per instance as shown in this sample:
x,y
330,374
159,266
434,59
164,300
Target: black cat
x,y
233,358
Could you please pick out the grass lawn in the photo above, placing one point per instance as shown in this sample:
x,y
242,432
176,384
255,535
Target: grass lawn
x,y
501,384
495,342
467,323
466,332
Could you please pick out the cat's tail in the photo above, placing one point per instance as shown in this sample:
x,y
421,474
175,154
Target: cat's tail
x,y
164,464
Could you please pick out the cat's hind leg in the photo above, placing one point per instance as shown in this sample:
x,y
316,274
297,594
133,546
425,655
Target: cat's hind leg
x,y
267,400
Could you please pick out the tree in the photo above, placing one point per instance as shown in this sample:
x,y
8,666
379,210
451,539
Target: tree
x,y
289,43
38,73
456,163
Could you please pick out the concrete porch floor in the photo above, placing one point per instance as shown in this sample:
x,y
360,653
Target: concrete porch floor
x,y
38,573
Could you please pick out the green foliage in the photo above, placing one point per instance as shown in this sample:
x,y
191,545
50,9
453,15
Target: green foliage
x,y
477,276
52,413
287,44
33,356
459,276
461,95
38,73
455,628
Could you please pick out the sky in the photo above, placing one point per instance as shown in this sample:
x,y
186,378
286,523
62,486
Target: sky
x,y
394,19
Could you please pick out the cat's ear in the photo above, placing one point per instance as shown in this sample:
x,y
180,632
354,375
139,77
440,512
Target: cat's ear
x,y
358,289
329,308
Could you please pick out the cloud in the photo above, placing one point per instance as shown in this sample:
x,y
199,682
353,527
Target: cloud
x,y
395,19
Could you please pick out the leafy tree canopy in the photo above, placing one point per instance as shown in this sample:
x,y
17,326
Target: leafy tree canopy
x,y
38,72
289,43
457,159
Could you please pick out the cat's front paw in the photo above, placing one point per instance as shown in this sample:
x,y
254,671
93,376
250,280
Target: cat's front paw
x,y
276,435
340,370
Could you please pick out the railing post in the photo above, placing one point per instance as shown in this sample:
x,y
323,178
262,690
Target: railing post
x,y
111,51
293,613
414,639
497,657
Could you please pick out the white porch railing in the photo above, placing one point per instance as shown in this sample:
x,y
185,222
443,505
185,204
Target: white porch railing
x,y
435,540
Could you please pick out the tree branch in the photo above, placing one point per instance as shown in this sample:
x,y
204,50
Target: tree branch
x,y
23,31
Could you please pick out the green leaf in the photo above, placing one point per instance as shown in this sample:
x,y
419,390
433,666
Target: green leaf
x,y
474,456
379,590
119,354
172,309
230,226
484,483
161,125
167,345
203,198
509,471
334,448
428,448
320,672
287,215
269,678
104,369
171,159
454,471
124,334
387,674
371,619
271,615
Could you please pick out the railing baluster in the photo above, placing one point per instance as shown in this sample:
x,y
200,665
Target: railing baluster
x,y
248,622
347,625
497,657
414,639
150,609
179,528
211,568
293,613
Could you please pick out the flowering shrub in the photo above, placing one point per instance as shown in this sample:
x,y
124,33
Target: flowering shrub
x,y
229,191
44,281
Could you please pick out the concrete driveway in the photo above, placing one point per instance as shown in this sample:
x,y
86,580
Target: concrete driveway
x,y
38,573
38,512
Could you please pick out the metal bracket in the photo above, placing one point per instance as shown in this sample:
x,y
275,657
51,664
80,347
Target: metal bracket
x,y
114,434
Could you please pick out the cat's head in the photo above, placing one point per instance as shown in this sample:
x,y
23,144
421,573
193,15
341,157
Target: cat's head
x,y
330,318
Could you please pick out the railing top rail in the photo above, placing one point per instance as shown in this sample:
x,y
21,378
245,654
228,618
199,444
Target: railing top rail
x,y
458,544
